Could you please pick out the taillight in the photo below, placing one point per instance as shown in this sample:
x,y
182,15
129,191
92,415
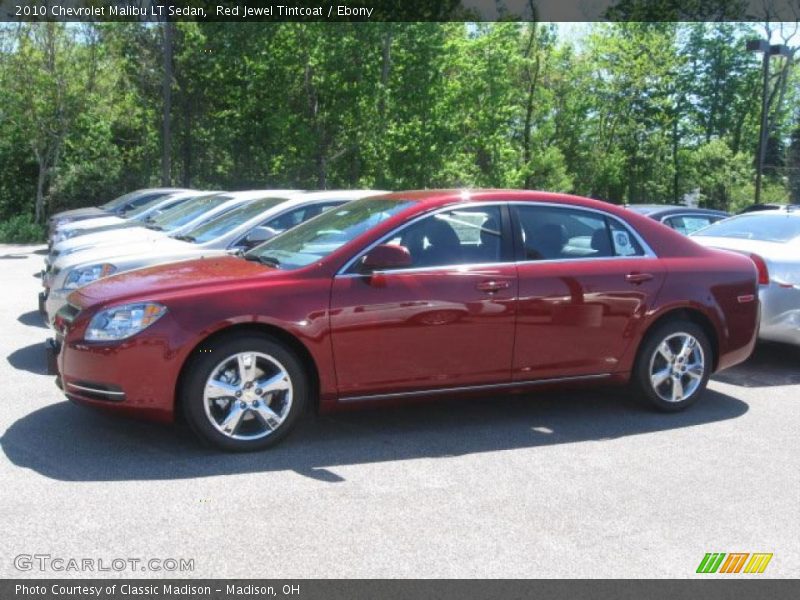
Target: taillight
x,y
761,267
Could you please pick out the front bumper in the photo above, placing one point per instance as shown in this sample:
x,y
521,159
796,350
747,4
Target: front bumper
x,y
54,301
52,348
135,377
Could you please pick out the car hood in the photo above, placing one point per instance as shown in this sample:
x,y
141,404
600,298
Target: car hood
x,y
165,246
92,222
781,258
112,236
80,213
764,249
168,278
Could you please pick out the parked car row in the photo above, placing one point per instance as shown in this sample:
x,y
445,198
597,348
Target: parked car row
x,y
239,310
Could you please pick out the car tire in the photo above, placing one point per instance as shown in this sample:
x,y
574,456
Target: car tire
x,y
250,412
669,374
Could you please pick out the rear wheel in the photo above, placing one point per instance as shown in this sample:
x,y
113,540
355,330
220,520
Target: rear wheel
x,y
673,365
245,394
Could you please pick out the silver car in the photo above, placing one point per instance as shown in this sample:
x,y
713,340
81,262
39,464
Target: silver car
x,y
772,239
236,230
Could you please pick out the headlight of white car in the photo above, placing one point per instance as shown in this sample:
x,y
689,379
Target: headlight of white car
x,y
123,321
81,276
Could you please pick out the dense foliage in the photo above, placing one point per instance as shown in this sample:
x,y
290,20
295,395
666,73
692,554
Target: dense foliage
x,y
628,112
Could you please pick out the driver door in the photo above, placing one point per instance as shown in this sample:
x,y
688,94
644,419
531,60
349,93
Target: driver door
x,y
447,321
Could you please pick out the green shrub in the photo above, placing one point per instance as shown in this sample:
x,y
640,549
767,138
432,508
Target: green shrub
x,y
20,229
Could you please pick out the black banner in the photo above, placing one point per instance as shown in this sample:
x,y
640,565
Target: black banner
x,y
390,589
399,10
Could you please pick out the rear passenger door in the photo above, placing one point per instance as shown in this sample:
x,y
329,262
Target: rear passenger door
x,y
585,281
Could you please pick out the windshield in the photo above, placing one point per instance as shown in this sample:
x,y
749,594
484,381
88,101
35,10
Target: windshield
x,y
146,206
147,212
322,235
226,222
778,227
187,211
120,200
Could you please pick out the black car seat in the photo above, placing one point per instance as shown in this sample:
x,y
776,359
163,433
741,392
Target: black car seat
x,y
490,241
443,245
546,241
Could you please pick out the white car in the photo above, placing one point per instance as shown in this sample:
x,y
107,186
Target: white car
x,y
771,238
233,231
117,206
132,218
171,222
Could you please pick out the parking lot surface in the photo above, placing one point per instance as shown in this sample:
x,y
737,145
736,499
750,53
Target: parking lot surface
x,y
576,484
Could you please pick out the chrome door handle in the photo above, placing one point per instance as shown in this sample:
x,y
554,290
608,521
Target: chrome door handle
x,y
638,277
492,286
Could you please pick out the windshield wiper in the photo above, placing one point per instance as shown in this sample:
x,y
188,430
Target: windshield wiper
x,y
186,238
264,260
154,227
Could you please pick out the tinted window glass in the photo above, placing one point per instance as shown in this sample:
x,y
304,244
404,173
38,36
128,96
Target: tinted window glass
x,y
775,227
624,243
316,239
142,200
188,211
453,237
551,233
225,222
689,224
150,202
120,200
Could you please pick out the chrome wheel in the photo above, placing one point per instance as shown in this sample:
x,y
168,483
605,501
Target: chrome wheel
x,y
248,396
677,367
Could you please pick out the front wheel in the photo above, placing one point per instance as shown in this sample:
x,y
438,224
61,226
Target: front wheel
x,y
244,393
673,365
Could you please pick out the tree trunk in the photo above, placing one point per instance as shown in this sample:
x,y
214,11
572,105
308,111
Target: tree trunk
x,y
533,81
40,193
166,133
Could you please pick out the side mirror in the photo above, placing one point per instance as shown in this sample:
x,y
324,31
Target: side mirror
x,y
259,235
386,256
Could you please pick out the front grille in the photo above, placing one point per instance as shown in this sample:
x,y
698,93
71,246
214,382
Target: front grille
x,y
68,312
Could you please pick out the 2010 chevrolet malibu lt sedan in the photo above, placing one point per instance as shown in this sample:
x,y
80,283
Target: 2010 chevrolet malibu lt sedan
x,y
415,294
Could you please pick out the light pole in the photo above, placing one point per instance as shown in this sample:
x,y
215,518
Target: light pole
x,y
769,51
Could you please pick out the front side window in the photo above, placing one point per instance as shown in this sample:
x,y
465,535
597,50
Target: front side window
x,y
315,239
467,235
553,233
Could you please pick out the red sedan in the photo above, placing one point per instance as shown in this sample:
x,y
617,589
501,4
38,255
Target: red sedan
x,y
413,294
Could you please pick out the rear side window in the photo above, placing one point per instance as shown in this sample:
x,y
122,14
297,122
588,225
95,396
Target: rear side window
x,y
553,233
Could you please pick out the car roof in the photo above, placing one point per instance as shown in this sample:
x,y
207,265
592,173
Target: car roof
x,y
248,194
342,194
443,196
667,209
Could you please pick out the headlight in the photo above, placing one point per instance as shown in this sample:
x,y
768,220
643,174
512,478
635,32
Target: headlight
x,y
79,277
123,321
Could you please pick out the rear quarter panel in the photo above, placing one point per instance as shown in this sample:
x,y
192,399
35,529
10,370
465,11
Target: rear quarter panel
x,y
720,285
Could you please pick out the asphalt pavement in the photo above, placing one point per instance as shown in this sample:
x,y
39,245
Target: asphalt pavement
x,y
569,484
